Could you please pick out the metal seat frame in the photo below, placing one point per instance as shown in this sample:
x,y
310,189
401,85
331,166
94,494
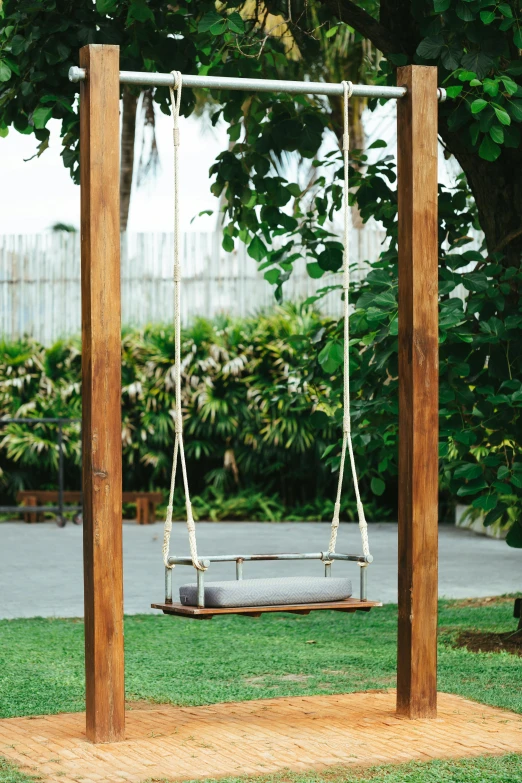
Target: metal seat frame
x,y
169,607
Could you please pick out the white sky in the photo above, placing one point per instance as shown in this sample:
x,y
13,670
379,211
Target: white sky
x,y
38,193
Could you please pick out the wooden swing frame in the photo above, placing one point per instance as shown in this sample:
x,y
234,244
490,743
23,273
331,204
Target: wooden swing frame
x,y
101,383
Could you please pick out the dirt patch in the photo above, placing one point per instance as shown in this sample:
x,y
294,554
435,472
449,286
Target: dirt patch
x,y
260,682
476,641
467,603
140,704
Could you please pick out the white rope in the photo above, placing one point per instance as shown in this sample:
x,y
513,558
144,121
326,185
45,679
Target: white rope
x,y
175,96
347,435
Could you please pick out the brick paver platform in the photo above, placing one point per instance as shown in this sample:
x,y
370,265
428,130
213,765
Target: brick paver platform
x,y
257,737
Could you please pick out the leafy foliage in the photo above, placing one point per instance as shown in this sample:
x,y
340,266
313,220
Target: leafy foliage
x,y
253,440
475,44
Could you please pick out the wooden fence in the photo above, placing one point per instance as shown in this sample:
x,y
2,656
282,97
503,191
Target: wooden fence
x,y
40,281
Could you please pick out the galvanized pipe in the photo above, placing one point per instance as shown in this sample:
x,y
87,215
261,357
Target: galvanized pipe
x,y
327,569
364,583
239,568
306,556
251,85
201,588
168,585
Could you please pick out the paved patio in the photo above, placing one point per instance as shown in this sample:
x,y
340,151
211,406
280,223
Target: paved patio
x,y
257,737
45,562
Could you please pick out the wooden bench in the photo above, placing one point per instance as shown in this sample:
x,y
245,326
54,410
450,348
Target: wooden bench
x,y
146,502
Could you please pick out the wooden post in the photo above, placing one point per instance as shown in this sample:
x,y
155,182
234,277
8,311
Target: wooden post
x,y
101,390
418,392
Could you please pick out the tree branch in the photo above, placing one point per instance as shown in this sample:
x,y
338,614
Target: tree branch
x,y
382,38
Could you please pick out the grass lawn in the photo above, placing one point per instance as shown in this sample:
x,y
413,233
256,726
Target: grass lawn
x,y
233,658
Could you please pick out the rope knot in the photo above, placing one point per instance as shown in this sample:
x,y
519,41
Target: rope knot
x,y
178,79
347,89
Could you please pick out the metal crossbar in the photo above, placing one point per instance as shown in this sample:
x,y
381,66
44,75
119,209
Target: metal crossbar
x,y
253,85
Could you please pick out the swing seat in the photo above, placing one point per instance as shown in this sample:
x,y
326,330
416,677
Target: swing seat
x,y
273,591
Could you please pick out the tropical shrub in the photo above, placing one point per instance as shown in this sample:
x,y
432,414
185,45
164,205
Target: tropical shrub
x,y
255,433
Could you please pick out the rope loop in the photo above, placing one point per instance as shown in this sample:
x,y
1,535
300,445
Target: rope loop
x,y
347,437
175,96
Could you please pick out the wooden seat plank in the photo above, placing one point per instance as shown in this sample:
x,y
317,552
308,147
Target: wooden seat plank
x,y
206,613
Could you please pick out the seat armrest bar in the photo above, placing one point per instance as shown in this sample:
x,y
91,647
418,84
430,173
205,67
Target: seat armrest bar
x,y
292,556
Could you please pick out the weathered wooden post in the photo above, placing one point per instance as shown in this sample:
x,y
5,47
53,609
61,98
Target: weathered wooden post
x,y
101,391
418,392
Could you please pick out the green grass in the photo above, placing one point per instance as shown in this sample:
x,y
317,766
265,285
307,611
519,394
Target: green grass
x,y
487,769
188,662
233,658
10,774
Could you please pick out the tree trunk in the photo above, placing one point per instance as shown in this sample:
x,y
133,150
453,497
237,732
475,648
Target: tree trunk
x,y
128,135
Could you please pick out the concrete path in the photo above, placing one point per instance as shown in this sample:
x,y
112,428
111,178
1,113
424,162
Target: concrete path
x,y
41,565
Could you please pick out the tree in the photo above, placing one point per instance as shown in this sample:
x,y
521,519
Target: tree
x,y
476,46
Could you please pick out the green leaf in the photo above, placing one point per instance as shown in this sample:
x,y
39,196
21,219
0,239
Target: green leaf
x,y
208,21
106,6
454,92
439,6
514,536
331,357
331,259
491,87
469,471
472,488
467,76
517,37
497,134
487,17
227,243
140,11
486,502
515,108
272,276
505,10
450,57
510,86
41,116
502,115
378,486
379,143
315,271
257,249
219,28
331,32
5,72
503,471
236,23
464,12
478,105
488,150
430,48
478,62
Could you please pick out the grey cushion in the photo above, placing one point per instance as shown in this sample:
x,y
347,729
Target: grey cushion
x,y
269,592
